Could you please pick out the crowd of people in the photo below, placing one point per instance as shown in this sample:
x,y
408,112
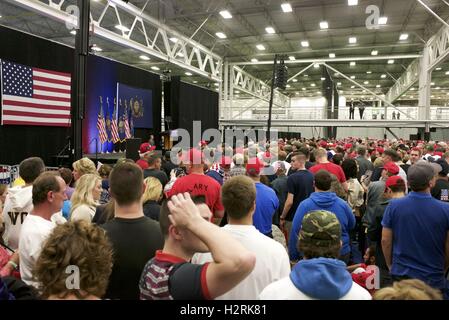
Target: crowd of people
x,y
350,219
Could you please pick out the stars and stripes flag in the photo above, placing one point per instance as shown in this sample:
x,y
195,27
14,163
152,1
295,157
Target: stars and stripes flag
x,y
101,126
114,127
32,96
127,129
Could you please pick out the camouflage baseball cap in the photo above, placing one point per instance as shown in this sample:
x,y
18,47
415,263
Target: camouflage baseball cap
x,y
320,228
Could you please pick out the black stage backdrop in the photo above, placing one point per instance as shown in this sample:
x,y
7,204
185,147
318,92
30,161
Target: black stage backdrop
x,y
20,142
190,103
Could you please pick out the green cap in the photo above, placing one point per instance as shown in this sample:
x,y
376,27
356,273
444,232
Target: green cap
x,y
320,228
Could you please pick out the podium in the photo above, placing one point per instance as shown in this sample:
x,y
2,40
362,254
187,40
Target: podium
x,y
132,148
166,140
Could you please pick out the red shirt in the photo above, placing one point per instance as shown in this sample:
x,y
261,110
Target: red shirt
x,y
331,168
200,184
142,163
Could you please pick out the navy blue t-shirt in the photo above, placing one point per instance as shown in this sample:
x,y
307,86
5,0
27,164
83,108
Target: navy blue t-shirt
x,y
300,184
420,225
267,203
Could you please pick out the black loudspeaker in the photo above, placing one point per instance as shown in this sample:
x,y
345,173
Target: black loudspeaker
x,y
414,137
171,103
132,148
281,75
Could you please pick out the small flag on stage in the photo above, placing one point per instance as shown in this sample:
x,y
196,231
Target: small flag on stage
x,y
127,129
101,125
114,127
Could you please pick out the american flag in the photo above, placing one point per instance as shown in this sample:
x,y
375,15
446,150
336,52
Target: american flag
x,y
114,128
32,96
101,126
125,120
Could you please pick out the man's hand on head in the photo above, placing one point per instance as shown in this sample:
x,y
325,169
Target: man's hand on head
x,y
183,212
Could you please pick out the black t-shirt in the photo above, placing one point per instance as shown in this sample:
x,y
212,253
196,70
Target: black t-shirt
x,y
441,190
134,243
167,167
405,167
152,209
300,184
158,174
309,165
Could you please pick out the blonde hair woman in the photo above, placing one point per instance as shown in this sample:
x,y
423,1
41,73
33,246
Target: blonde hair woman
x,y
85,197
151,197
83,166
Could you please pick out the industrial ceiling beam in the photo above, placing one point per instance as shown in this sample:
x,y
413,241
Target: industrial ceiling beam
x,y
197,58
343,59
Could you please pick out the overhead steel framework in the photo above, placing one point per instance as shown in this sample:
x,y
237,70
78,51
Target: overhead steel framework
x,y
437,50
255,87
339,59
146,34
339,123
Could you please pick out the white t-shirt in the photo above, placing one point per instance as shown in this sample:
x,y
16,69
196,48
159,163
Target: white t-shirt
x,y
35,231
272,262
284,289
18,204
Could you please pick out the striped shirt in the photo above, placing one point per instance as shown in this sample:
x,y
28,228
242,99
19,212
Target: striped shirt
x,y
167,277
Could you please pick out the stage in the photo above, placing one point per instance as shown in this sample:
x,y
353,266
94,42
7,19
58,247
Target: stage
x,y
110,157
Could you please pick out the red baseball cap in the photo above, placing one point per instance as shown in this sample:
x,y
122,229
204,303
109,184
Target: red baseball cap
x,y
323,143
394,181
348,146
225,161
145,147
391,167
193,155
380,149
254,166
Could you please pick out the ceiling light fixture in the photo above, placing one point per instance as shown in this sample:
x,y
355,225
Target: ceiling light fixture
x,y
324,25
286,7
226,14
221,35
383,20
